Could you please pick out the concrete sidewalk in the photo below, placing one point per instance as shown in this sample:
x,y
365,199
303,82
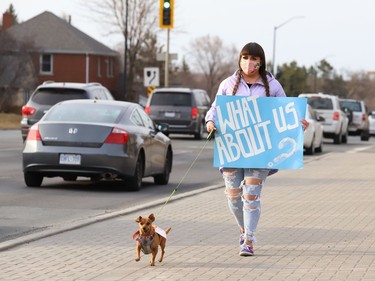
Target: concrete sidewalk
x,y
317,224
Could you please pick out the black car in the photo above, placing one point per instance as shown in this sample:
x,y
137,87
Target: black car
x,y
98,139
50,93
183,109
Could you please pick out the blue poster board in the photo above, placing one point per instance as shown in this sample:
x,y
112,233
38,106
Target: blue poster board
x,y
259,132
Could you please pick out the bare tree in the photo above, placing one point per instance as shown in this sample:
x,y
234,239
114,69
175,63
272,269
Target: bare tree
x,y
213,59
137,21
360,86
17,73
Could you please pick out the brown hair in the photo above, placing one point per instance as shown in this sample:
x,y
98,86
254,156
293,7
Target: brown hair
x,y
253,49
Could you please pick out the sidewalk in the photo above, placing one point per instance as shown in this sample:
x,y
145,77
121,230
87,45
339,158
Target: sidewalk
x,y
317,224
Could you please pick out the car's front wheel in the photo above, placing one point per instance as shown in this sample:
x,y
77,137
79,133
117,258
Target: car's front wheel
x,y
163,178
200,134
33,179
311,149
344,137
365,135
135,182
320,147
337,138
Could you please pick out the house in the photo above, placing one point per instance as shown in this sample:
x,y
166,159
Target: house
x,y
56,51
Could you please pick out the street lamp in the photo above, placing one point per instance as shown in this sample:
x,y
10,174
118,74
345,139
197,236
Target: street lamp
x,y
274,41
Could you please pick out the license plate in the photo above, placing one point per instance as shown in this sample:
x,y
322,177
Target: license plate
x,y
70,159
169,114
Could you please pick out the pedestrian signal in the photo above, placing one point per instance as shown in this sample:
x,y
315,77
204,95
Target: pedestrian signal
x,y
166,13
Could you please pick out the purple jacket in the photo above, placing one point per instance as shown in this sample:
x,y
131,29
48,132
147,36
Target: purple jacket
x,y
257,89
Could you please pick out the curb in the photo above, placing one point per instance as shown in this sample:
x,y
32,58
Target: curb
x,y
69,226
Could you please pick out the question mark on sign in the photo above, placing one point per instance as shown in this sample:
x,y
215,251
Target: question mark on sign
x,y
284,155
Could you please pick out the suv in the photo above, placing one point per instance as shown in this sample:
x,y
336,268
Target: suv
x,y
358,120
183,109
50,93
335,125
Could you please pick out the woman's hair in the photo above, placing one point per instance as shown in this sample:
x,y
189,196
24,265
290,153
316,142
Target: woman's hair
x,y
253,49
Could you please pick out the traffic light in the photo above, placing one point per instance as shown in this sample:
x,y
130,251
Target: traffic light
x,y
166,13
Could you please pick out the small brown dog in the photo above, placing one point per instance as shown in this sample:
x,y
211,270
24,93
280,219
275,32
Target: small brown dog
x,y
149,237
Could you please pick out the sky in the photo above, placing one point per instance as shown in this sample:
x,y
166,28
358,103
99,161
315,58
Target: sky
x,y
307,31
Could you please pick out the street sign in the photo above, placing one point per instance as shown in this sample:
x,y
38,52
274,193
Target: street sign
x,y
151,77
161,56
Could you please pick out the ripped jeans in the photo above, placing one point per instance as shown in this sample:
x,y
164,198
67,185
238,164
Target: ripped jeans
x,y
243,188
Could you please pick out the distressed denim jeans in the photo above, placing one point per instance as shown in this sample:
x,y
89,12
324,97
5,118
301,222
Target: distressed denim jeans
x,y
246,212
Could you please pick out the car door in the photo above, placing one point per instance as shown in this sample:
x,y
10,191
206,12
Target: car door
x,y
157,147
145,137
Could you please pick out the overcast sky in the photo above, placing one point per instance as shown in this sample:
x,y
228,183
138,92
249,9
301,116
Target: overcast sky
x,y
340,31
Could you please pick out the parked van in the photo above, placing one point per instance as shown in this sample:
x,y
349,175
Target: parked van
x,y
183,109
359,124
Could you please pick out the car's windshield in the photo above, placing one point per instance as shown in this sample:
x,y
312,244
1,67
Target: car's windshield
x,y
352,105
320,103
51,96
171,98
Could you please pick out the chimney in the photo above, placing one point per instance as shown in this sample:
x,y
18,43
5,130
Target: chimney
x,y
7,21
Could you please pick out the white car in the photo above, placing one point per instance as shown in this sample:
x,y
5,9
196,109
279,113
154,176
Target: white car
x,y
358,120
335,124
371,119
313,135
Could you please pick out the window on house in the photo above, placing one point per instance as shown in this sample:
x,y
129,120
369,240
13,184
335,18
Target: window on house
x,y
99,67
109,67
46,64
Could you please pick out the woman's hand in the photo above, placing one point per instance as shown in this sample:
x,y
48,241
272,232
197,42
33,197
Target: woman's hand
x,y
305,124
210,126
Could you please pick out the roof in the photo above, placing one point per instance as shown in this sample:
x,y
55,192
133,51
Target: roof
x,y
52,34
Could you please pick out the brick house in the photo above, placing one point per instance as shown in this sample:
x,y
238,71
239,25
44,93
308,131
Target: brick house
x,y
56,51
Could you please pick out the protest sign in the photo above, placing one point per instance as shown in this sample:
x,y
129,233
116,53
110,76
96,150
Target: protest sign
x,y
259,132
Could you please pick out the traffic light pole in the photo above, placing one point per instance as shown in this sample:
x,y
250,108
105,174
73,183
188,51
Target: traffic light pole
x,y
166,68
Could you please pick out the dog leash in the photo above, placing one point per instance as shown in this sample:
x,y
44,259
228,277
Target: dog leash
x,y
209,137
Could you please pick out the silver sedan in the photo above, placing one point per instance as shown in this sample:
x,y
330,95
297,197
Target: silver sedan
x,y
98,139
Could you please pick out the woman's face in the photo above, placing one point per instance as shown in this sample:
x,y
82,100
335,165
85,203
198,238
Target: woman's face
x,y
250,64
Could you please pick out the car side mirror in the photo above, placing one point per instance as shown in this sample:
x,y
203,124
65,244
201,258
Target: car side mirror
x,y
320,118
348,113
162,127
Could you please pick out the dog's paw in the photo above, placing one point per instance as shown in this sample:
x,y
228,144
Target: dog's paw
x,y
137,259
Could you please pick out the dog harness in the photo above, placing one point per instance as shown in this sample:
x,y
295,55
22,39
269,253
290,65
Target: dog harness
x,y
146,241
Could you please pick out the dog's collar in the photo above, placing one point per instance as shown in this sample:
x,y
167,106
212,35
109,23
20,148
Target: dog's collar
x,y
137,235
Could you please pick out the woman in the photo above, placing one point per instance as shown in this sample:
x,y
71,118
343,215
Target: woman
x,y
243,186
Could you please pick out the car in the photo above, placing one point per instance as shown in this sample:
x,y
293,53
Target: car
x,y
313,135
183,109
98,139
371,118
50,93
359,124
335,125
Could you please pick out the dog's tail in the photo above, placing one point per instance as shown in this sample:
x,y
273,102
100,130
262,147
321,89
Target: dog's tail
x,y
168,229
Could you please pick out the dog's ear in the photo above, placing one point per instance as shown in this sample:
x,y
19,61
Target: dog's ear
x,y
151,217
138,220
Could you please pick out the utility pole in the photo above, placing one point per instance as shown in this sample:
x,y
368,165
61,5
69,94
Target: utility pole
x,y
126,51
166,17
274,68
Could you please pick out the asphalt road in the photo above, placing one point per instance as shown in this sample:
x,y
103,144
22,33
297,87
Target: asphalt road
x,y
26,210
